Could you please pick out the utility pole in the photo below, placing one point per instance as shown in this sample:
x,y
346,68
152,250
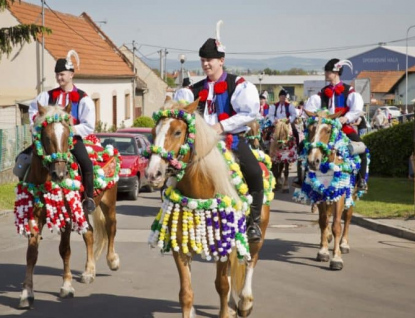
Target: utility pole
x,y
165,64
42,81
161,64
134,75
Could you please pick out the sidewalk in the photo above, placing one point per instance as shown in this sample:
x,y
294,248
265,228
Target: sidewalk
x,y
403,228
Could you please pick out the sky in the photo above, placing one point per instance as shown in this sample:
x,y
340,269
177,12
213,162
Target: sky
x,y
257,29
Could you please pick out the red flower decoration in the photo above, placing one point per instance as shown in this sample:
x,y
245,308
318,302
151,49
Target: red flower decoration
x,y
328,92
228,141
339,89
105,157
220,87
203,94
55,94
48,186
74,96
223,116
45,123
74,166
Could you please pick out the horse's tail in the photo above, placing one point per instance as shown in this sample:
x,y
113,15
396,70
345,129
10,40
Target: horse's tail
x,y
238,273
100,232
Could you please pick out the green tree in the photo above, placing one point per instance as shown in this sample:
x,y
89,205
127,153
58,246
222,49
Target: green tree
x,y
143,121
19,34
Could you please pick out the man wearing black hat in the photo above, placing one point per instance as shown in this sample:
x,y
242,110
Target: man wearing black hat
x,y
340,97
184,93
263,106
228,103
83,116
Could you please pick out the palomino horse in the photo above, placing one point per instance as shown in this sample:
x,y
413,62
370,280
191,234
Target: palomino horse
x,y
253,135
207,216
49,196
283,152
330,182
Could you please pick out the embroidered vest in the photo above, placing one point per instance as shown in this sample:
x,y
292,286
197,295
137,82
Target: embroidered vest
x,y
74,96
287,111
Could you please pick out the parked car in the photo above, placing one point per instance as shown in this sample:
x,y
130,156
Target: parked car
x,y
393,110
146,131
132,173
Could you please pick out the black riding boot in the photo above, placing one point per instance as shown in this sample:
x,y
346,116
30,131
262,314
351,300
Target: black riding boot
x,y
298,182
361,182
254,219
88,204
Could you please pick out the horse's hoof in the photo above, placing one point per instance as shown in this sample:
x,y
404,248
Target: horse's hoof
x,y
114,263
345,249
87,278
336,265
245,313
26,303
67,292
323,257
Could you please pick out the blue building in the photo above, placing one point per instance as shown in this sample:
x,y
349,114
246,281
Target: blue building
x,y
382,58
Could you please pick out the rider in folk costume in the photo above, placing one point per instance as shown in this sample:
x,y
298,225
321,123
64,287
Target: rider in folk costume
x,y
336,97
283,110
228,103
83,116
263,105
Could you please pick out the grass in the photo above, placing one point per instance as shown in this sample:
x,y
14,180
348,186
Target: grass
x,y
7,196
387,198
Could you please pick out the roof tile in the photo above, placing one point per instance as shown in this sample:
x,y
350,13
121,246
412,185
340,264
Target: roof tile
x,y
382,81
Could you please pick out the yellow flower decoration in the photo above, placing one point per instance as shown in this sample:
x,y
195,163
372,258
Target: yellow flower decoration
x,y
227,200
227,155
243,188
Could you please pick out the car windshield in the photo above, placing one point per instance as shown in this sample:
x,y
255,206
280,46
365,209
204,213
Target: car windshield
x,y
124,145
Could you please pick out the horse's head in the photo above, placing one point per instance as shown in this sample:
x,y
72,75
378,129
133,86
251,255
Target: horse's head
x,y
174,135
53,139
282,132
254,134
320,141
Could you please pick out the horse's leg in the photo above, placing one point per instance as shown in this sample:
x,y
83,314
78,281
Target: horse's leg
x,y
323,254
27,296
88,276
67,291
186,292
109,201
344,243
246,302
222,287
285,187
337,263
274,170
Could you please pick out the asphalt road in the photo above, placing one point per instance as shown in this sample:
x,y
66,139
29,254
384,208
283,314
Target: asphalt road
x,y
377,280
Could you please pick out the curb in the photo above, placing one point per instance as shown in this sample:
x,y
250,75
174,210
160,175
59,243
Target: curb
x,y
5,213
380,227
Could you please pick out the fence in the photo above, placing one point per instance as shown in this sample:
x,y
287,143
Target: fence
x,y
12,142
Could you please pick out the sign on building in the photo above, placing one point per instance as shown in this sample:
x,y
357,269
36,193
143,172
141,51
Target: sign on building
x,y
313,87
362,86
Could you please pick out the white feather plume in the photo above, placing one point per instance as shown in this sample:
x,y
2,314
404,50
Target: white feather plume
x,y
341,63
69,64
220,47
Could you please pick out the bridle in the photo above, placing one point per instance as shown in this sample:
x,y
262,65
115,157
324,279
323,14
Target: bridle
x,y
176,164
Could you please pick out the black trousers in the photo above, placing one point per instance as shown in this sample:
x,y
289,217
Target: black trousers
x,y
363,158
81,155
250,168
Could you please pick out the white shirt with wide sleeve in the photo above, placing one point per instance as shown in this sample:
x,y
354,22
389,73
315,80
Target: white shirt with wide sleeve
x,y
86,112
280,113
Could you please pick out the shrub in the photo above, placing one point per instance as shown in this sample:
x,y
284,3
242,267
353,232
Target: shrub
x,y
143,121
390,150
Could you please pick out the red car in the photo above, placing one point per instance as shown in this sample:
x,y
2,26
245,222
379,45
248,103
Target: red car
x,y
130,146
146,131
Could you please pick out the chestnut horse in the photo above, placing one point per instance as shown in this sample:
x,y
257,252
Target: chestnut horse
x,y
330,182
203,222
49,196
283,151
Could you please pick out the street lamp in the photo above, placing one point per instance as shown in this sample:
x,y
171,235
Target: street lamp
x,y
406,74
260,77
182,59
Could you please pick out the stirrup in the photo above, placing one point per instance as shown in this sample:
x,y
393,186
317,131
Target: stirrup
x,y
89,205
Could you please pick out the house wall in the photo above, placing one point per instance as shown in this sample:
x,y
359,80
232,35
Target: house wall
x,y
104,90
400,91
155,94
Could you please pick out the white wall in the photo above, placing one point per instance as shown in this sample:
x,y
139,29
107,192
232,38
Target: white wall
x,y
401,90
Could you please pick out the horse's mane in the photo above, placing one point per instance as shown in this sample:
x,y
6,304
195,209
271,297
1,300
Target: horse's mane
x,y
208,159
282,131
50,111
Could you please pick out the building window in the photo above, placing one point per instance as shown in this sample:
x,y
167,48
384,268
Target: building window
x,y
127,106
97,110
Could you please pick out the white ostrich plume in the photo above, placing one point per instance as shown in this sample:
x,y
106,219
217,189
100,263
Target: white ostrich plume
x,y
69,64
341,63
219,45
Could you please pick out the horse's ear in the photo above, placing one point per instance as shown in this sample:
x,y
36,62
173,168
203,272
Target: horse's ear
x,y
336,115
310,114
41,109
192,107
168,98
68,107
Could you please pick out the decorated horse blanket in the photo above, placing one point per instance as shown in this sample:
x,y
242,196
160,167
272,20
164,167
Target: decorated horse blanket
x,y
52,196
